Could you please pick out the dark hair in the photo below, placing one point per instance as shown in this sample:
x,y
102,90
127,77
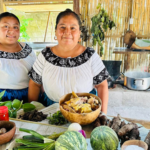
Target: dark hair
x,y
67,12
8,14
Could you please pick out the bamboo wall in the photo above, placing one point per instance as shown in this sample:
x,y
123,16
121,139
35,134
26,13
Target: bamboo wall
x,y
1,6
121,11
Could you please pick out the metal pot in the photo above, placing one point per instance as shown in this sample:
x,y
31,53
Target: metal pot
x,y
135,80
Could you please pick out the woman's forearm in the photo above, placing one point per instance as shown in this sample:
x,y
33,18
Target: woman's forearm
x,y
102,90
33,91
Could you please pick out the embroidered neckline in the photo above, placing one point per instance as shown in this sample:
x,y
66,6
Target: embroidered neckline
x,y
68,62
23,53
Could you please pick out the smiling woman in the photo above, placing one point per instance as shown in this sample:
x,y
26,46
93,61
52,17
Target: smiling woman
x,y
16,59
68,66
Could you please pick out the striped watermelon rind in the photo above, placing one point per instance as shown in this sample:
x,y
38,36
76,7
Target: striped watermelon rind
x,y
71,140
104,138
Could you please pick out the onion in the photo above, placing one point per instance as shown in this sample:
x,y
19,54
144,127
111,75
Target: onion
x,y
82,132
74,127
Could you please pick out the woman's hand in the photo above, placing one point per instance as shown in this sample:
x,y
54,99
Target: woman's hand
x,y
102,90
33,91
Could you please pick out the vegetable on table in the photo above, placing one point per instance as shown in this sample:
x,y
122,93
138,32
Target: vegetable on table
x,y
15,105
71,140
134,134
82,132
28,107
122,124
33,138
103,120
57,118
104,138
46,140
54,136
36,141
116,123
127,128
32,144
74,127
147,140
96,123
3,130
124,131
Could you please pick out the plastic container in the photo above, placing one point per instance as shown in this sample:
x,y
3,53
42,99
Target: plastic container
x,y
4,113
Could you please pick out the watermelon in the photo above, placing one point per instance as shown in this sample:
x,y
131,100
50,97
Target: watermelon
x,y
104,138
71,140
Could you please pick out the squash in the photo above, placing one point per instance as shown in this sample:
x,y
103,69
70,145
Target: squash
x,y
71,140
104,138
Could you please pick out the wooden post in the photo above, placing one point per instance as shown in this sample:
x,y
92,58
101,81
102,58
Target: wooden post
x,y
76,6
47,26
1,6
131,17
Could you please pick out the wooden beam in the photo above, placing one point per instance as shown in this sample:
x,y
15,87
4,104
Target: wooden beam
x,y
76,6
47,25
32,8
40,11
4,8
35,1
37,4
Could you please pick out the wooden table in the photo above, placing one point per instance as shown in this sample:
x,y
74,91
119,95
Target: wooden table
x,y
145,124
45,128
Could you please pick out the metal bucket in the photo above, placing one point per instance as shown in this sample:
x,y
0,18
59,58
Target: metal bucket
x,y
135,80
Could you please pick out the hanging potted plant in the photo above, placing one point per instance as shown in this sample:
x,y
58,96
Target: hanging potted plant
x,y
100,24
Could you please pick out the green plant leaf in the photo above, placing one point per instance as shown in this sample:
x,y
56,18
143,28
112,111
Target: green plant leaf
x,y
2,103
10,112
23,27
100,23
2,94
16,103
13,114
98,6
28,107
8,104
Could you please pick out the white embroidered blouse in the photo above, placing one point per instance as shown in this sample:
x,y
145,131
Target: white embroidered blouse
x,y
60,76
14,68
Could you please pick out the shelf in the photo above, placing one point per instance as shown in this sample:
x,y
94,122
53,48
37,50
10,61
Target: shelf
x,y
124,50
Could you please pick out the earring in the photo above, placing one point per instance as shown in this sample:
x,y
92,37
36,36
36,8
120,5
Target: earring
x,y
79,39
55,37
